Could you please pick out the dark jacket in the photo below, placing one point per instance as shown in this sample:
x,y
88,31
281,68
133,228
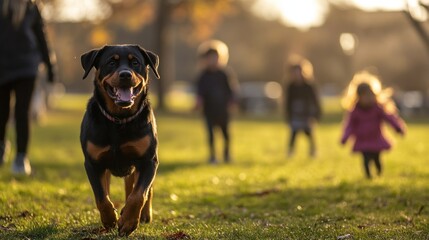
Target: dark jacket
x,y
302,102
216,89
23,48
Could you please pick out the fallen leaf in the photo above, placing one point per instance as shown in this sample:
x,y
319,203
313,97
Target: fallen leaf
x,y
362,227
166,220
262,192
99,230
25,214
177,236
347,236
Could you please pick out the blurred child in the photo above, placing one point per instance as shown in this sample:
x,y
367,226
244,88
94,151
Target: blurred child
x,y
369,106
302,102
216,89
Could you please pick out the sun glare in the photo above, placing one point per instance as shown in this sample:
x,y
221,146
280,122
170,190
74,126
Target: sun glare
x,y
302,14
375,5
305,14
71,11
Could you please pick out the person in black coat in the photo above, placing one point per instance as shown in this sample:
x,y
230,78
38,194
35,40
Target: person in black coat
x,y
23,47
302,103
216,89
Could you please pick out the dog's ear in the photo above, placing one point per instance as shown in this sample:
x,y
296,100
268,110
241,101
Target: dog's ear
x,y
89,59
151,59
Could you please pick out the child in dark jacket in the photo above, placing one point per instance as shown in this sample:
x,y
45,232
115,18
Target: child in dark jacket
x,y
369,106
302,103
216,89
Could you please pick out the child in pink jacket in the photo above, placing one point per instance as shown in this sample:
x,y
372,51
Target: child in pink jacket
x,y
369,107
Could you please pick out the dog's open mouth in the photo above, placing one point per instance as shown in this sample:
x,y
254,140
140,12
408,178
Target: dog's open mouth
x,y
123,97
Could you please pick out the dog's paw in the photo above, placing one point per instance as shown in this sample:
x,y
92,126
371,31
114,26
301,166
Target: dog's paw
x,y
145,218
108,217
130,214
127,226
146,215
109,220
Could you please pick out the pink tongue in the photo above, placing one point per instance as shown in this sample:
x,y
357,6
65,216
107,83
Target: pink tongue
x,y
125,94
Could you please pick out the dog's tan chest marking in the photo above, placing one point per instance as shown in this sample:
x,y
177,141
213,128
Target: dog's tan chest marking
x,y
136,147
96,152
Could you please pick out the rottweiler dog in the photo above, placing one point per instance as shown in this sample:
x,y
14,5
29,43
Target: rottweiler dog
x,y
118,132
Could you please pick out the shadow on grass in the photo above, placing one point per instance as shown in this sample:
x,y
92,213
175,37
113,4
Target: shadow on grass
x,y
97,232
327,118
38,232
54,171
361,209
172,166
92,231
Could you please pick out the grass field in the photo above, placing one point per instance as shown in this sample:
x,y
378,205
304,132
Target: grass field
x,y
261,195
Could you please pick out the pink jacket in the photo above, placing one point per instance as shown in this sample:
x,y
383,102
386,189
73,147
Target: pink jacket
x,y
364,125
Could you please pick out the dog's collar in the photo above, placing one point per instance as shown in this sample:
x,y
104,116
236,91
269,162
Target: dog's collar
x,y
120,120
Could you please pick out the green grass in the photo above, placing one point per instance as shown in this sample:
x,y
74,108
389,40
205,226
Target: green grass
x,y
261,195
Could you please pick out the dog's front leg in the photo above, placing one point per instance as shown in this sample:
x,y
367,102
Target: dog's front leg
x,y
130,214
99,180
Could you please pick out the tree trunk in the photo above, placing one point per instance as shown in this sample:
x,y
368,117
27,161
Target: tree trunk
x,y
163,46
419,29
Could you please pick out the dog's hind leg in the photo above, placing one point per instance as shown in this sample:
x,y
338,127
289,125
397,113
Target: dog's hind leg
x,y
129,184
146,213
107,177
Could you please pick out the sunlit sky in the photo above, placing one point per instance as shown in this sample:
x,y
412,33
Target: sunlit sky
x,y
302,14
76,11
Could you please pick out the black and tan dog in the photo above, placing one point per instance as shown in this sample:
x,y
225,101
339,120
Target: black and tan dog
x,y
118,132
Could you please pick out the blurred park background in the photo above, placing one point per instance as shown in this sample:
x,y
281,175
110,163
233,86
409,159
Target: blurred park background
x,y
340,37
261,195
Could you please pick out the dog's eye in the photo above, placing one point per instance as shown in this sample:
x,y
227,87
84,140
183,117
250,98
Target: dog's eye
x,y
112,63
135,63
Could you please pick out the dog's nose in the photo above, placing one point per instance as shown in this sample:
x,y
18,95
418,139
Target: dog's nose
x,y
125,75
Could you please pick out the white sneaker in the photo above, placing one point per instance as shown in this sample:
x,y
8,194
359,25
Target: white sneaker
x,y
21,165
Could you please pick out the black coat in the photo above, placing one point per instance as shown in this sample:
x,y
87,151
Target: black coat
x,y
216,90
22,48
302,102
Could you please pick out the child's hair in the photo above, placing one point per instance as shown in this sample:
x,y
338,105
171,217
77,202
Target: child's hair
x,y
365,82
214,46
298,62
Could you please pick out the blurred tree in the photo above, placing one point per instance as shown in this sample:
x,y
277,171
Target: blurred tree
x,y
199,18
258,47
202,18
417,23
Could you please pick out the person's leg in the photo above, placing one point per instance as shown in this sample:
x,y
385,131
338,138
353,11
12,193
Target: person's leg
x,y
23,93
309,132
293,133
377,162
226,140
5,91
210,137
23,89
366,161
